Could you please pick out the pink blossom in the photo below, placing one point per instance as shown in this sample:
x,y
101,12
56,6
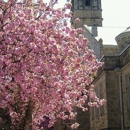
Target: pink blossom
x,y
77,20
68,5
102,102
85,97
85,109
75,125
1,120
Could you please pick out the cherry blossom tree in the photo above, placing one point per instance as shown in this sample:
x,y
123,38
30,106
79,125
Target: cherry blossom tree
x,y
46,67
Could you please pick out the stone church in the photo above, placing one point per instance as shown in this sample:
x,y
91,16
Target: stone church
x,y
113,79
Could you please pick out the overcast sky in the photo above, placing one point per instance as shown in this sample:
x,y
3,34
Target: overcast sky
x,y
116,18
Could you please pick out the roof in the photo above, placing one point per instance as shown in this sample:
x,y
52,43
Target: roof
x,y
125,33
127,30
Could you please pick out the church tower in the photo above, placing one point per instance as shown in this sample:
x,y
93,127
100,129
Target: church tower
x,y
90,14
88,11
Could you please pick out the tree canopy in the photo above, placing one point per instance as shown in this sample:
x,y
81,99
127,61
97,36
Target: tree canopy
x,y
46,67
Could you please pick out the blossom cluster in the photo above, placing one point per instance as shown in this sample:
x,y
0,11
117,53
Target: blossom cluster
x,y
46,67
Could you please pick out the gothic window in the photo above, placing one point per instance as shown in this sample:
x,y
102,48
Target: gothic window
x,y
87,2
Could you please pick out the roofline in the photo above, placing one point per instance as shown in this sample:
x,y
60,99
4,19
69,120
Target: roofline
x,y
115,55
122,35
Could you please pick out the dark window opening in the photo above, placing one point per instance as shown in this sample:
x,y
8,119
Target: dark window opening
x,y
87,2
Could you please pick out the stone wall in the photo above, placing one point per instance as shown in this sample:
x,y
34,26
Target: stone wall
x,y
88,14
83,118
126,86
125,56
113,99
111,63
87,17
110,50
99,120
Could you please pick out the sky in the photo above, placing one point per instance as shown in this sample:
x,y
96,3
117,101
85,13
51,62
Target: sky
x,y
116,18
